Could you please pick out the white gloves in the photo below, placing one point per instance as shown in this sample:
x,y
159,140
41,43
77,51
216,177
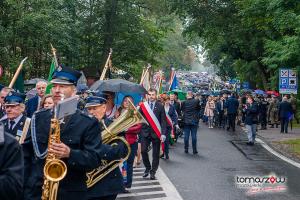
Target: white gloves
x,y
163,138
177,126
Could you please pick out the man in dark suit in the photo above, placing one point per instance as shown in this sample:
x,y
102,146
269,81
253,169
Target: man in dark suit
x,y
12,167
220,109
148,135
15,121
79,147
191,113
232,105
285,112
33,104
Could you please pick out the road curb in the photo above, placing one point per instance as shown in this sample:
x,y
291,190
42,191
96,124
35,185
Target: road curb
x,y
275,153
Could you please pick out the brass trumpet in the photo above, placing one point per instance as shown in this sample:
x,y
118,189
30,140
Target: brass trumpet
x,y
110,136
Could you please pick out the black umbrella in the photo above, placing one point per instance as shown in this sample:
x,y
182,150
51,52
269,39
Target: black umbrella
x,y
118,85
225,91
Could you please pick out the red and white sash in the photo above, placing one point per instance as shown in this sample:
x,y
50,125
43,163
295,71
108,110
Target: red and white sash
x,y
152,119
169,121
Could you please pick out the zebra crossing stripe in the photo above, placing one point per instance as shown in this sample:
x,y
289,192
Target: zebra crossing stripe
x,y
142,188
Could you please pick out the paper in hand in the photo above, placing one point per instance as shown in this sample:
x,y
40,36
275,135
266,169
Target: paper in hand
x,y
66,107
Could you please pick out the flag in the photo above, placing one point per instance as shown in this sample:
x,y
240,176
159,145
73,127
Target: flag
x,y
52,68
158,85
172,75
19,84
174,83
160,88
146,81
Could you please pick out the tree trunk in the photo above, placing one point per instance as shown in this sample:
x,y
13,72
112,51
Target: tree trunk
x,y
264,75
109,28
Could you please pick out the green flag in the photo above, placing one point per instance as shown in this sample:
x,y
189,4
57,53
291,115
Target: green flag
x,y
52,68
19,84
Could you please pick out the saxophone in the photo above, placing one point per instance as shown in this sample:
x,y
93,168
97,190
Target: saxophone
x,y
54,169
110,136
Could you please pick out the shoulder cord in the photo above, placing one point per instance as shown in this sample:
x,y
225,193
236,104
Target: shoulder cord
x,y
34,141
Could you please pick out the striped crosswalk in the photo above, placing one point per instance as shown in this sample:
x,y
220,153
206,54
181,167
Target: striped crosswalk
x,y
148,189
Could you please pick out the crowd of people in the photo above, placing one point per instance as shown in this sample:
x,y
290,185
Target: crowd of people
x,y
26,124
251,111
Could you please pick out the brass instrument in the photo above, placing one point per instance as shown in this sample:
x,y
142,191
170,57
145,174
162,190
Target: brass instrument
x,y
110,136
55,169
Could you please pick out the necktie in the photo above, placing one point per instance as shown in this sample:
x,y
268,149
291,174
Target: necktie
x,y
11,125
151,105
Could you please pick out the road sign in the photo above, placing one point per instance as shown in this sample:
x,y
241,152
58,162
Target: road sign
x,y
246,85
288,82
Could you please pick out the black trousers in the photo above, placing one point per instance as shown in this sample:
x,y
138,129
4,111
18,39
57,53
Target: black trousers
x,y
263,119
110,197
145,143
231,121
221,119
284,124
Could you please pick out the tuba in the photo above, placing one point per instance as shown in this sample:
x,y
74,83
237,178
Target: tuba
x,y
110,136
54,169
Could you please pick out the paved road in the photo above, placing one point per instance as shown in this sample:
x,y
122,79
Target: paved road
x,y
212,173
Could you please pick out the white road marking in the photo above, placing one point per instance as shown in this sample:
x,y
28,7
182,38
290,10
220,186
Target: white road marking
x,y
282,157
169,188
275,153
163,183
140,193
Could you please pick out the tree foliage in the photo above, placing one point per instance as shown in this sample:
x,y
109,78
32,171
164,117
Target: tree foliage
x,y
138,31
253,37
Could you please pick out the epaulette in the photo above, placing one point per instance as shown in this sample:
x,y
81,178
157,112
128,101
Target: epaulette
x,y
2,133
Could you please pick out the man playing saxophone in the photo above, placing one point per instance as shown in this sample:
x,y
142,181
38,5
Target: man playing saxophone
x,y
79,147
112,184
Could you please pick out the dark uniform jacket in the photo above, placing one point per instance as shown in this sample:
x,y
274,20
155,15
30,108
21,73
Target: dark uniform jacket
x,y
263,107
11,168
18,128
32,105
159,112
191,111
111,184
81,134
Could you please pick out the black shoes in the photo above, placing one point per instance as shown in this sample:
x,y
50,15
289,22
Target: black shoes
x,y
195,152
186,151
152,177
167,157
250,143
146,174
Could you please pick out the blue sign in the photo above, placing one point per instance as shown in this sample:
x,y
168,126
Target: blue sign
x,y
246,85
288,82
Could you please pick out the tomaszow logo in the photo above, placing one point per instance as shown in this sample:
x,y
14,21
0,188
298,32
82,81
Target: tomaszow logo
x,y
261,184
